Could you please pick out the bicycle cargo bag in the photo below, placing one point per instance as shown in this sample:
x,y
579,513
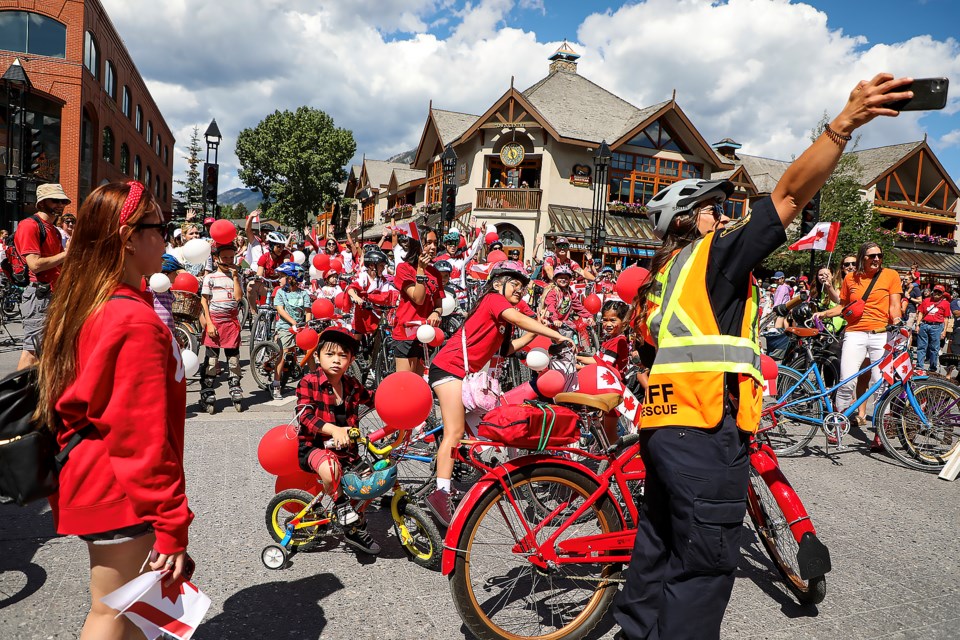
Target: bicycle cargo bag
x,y
532,425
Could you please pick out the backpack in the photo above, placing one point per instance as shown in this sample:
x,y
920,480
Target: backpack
x,y
19,271
531,425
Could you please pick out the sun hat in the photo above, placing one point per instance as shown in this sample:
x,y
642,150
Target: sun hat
x,y
50,191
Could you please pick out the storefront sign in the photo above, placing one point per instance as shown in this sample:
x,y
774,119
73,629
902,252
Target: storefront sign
x,y
580,177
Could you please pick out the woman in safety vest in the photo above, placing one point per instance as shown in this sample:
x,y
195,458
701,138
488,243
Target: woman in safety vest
x,y
697,319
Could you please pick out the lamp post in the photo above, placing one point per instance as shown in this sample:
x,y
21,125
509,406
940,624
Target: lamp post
x,y
211,170
448,161
16,85
598,222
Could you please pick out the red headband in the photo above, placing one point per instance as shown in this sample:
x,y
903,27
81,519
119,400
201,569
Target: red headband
x,y
131,201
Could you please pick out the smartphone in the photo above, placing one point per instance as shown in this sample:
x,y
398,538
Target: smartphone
x,y
928,94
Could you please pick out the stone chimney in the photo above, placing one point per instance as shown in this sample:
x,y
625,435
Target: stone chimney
x,y
727,148
564,59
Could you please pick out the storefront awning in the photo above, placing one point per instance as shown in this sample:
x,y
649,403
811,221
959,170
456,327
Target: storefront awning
x,y
943,264
630,231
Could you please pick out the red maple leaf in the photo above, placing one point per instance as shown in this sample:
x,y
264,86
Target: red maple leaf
x,y
607,377
820,235
630,403
172,592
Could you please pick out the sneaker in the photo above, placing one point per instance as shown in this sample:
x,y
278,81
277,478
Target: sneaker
x,y
360,539
441,506
877,444
275,391
346,514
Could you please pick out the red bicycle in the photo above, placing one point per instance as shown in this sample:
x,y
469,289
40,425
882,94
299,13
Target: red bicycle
x,y
537,546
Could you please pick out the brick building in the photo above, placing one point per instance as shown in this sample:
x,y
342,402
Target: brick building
x,y
88,116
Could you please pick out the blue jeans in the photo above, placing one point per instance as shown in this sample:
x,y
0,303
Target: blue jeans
x,y
928,344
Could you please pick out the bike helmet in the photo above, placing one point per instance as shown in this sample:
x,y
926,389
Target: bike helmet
x,y
562,271
510,268
170,264
375,256
381,481
496,246
607,270
680,198
451,238
443,266
275,237
291,270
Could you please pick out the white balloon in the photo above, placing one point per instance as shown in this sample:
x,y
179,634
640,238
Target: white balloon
x,y
191,363
299,257
426,333
538,359
314,274
160,283
196,251
448,306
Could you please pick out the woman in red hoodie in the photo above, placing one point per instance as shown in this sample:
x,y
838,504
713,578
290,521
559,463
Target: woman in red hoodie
x,y
110,367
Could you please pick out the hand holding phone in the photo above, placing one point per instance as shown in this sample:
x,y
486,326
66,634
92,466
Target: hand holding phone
x,y
928,94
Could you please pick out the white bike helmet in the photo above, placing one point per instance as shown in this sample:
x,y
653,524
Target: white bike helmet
x,y
681,197
275,237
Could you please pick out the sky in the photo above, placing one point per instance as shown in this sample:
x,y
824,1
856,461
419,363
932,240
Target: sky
x,y
762,72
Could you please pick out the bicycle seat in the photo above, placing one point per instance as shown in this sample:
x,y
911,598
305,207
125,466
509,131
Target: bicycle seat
x,y
802,332
606,402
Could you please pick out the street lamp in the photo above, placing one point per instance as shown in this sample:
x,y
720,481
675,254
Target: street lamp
x,y
211,170
448,161
16,85
598,222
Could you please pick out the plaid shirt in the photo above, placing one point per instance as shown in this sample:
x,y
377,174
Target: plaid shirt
x,y
316,393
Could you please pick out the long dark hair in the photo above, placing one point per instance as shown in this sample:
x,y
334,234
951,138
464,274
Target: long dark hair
x,y
683,230
414,247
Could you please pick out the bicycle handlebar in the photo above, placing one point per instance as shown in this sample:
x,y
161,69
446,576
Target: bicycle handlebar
x,y
355,435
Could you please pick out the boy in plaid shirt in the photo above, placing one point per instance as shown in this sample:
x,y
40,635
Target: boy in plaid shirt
x,y
328,402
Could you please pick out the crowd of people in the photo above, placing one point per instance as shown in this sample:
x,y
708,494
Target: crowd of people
x,y
110,370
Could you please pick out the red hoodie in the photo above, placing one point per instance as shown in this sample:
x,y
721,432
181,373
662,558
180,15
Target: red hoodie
x,y
131,386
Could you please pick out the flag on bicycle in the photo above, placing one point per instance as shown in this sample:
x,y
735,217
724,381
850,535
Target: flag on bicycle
x,y
156,609
630,409
823,236
886,368
903,366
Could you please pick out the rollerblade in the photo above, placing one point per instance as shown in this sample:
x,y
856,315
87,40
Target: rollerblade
x,y
236,394
208,399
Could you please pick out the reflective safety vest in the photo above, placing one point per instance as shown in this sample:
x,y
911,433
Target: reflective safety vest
x,y
687,384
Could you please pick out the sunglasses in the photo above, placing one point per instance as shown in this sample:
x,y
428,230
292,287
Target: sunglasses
x,y
162,227
849,264
874,256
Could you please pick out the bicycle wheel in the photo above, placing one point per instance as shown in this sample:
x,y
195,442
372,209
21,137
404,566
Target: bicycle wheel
x,y
244,306
789,434
919,444
10,306
284,507
413,459
264,358
424,544
499,593
260,331
186,338
773,529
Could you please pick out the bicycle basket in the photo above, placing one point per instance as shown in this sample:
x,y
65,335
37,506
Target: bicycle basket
x,y
381,481
186,304
532,425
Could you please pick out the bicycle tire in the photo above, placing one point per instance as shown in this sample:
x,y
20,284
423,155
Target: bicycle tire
x,y
260,330
597,592
186,338
244,308
11,307
902,432
426,545
774,533
789,436
264,358
284,506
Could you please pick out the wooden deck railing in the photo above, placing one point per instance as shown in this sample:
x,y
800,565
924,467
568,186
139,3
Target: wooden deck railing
x,y
522,199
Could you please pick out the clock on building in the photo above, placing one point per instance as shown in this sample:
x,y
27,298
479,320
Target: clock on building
x,y
512,154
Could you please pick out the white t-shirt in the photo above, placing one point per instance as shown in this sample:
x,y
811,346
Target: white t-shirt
x,y
219,286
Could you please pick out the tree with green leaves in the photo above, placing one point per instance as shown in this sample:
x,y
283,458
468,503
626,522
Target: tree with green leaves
x,y
296,160
233,211
192,193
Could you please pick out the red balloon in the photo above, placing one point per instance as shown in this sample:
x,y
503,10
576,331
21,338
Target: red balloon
x,y
403,400
322,309
342,302
768,367
277,451
336,265
630,281
321,262
223,231
491,237
300,480
596,379
307,339
550,383
496,256
186,282
438,339
592,303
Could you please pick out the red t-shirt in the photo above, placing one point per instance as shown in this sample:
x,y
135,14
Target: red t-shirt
x,y
486,331
410,315
270,262
554,262
615,351
526,309
937,312
27,241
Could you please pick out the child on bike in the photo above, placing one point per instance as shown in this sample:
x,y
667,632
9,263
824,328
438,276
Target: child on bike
x,y
560,304
293,308
614,350
220,298
328,402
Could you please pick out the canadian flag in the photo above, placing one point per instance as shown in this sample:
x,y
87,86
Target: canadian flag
x,y
823,236
902,366
608,380
886,368
175,610
770,387
630,409
407,229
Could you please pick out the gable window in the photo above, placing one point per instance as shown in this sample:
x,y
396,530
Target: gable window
x,y
125,104
648,176
108,144
657,136
110,79
28,32
91,55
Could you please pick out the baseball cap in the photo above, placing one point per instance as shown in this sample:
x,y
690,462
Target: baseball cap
x,y
561,240
778,275
340,336
804,278
50,191
939,288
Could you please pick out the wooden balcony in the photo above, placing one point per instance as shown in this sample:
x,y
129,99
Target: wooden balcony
x,y
499,199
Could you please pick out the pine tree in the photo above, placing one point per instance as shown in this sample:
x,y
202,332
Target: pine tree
x,y
192,193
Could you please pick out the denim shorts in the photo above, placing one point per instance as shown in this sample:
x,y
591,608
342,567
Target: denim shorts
x,y
118,536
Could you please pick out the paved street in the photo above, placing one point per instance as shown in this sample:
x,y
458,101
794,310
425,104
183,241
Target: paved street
x,y
892,535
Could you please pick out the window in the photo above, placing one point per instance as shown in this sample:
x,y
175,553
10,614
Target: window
x,y
622,161
156,188
434,183
657,136
29,32
733,207
650,176
108,144
139,120
692,170
158,145
166,155
126,103
125,159
146,182
91,55
136,168
149,131
88,142
110,79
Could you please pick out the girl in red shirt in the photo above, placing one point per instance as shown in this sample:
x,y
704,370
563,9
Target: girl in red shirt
x,y
111,369
487,329
421,294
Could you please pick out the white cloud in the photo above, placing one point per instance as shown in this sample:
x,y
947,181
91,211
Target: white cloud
x,y
759,71
950,139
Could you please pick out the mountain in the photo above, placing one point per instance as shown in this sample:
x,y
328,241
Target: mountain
x,y
250,199
406,157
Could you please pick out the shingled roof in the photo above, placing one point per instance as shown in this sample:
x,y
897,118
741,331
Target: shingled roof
x,y
378,171
765,172
451,124
408,175
875,162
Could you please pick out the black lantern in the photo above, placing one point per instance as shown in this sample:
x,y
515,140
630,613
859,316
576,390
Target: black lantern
x,y
598,222
211,170
16,86
448,161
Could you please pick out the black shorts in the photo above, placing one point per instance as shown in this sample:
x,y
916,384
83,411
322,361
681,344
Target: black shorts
x,y
408,349
438,375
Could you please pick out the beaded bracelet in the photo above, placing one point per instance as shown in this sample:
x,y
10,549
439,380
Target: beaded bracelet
x,y
839,140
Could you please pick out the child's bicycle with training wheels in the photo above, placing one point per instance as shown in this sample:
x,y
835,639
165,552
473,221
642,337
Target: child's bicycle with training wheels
x,y
298,520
